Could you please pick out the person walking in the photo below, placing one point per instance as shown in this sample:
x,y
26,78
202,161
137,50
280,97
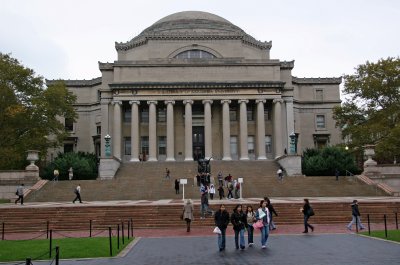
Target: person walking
x,y
77,192
221,220
280,173
204,209
251,217
220,179
263,214
167,173
221,192
307,212
212,191
176,186
271,212
70,173
56,173
239,222
230,189
337,174
355,216
188,210
20,194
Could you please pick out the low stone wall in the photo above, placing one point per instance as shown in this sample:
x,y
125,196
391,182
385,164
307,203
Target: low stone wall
x,y
387,174
291,164
108,167
11,179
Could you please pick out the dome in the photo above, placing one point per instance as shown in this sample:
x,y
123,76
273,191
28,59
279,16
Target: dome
x,y
192,15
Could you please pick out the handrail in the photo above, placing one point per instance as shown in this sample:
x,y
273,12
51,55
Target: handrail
x,y
348,173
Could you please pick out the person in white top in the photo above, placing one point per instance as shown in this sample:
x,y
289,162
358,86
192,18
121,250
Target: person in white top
x,y
77,192
280,173
211,191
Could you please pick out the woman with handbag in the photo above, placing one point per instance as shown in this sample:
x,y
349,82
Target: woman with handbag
x,y
307,212
251,218
262,215
239,222
187,214
221,219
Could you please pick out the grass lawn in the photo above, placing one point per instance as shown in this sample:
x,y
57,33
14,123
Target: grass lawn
x,y
4,200
16,250
393,235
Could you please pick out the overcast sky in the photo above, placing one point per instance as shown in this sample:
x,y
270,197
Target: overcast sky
x,y
66,39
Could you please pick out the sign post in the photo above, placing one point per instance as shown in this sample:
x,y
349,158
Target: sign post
x,y
240,180
183,182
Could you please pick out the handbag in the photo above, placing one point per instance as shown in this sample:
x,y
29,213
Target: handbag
x,y
217,230
311,211
259,224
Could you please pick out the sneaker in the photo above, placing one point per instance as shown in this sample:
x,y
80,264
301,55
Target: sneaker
x,y
305,232
362,228
251,244
349,228
263,246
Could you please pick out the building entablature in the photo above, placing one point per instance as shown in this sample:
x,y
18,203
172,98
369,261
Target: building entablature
x,y
319,81
287,65
77,83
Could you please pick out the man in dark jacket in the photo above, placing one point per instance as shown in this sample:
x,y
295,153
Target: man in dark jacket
x,y
356,216
221,219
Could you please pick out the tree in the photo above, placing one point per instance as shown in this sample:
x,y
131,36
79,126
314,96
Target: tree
x,y
371,113
29,113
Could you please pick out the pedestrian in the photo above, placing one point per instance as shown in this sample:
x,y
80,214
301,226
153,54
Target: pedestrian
x,y
271,212
236,186
337,174
167,173
176,186
355,213
307,212
221,192
230,189
56,173
251,218
187,215
70,173
77,192
20,194
212,191
221,219
220,179
239,222
198,179
204,209
280,173
263,214
140,157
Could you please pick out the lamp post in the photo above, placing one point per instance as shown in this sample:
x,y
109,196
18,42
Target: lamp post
x,y
107,138
292,149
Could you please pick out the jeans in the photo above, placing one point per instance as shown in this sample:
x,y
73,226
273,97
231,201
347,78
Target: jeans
x,y
360,225
242,242
221,238
204,210
271,222
250,231
264,235
306,224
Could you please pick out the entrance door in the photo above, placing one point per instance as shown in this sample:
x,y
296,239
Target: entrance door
x,y
198,142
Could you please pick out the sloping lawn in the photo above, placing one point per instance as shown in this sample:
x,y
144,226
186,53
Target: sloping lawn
x,y
16,250
393,235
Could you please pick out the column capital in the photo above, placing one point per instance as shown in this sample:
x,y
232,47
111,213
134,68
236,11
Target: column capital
x,y
289,100
152,102
119,102
170,102
243,101
131,102
188,101
261,100
226,101
207,101
277,100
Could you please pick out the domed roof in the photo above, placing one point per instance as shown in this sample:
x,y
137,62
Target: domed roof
x,y
193,25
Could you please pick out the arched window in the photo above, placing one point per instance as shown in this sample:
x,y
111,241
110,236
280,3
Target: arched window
x,y
195,54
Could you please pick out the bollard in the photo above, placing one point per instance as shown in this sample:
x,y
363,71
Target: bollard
x,y
109,235
90,228
369,225
123,241
57,255
129,224
397,224
118,236
2,233
384,218
28,261
131,227
51,239
47,229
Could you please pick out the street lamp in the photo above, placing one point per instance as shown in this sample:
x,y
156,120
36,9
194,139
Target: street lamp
x,y
107,138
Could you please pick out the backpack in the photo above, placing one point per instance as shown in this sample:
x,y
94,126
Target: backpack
x,y
311,211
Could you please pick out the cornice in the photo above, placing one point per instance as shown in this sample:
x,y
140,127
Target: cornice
x,y
312,80
76,83
106,66
198,85
287,65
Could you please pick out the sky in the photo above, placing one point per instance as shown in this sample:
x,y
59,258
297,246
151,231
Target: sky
x,y
67,39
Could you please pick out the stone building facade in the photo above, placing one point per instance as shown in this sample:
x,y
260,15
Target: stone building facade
x,y
194,85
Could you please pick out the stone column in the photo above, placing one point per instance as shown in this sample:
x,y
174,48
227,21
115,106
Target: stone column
x,y
152,130
289,120
226,130
244,153
117,130
261,129
135,149
188,130
207,129
278,127
170,130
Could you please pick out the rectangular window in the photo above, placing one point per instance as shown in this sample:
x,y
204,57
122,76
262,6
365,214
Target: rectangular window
x,y
162,114
98,130
268,144
250,113
233,144
162,145
267,115
319,94
69,125
68,148
320,120
250,144
144,115
98,95
232,114
127,111
127,145
144,146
